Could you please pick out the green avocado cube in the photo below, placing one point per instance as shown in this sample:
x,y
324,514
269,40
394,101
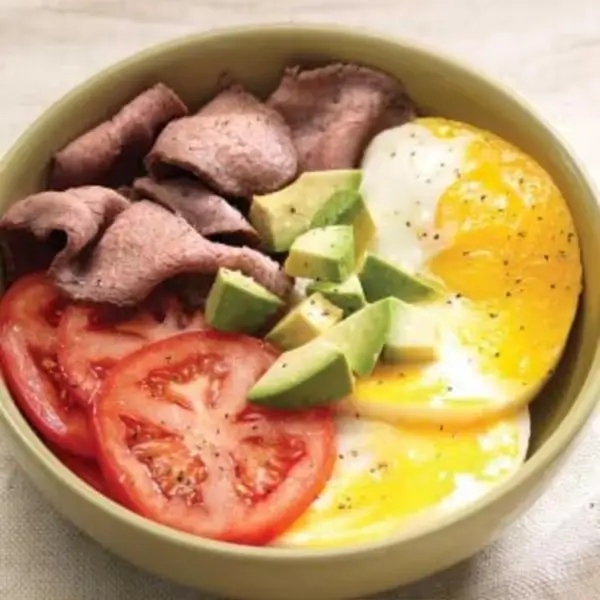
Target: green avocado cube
x,y
361,336
347,207
413,335
311,375
326,253
381,278
348,294
280,217
304,322
236,303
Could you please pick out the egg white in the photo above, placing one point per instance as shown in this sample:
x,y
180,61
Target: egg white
x,y
405,172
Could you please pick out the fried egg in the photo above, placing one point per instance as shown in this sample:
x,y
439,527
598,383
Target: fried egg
x,y
468,210
387,478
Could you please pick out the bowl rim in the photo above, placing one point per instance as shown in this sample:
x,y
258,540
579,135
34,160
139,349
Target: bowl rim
x,y
565,434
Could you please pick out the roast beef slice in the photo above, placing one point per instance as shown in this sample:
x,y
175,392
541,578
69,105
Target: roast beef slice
x,y
235,144
112,152
207,212
147,245
335,111
51,228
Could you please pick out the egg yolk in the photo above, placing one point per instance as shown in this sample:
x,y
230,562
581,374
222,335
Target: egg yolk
x,y
511,270
387,476
515,254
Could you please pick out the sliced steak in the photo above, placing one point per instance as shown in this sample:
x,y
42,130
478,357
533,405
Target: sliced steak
x,y
236,144
207,212
113,151
147,245
336,110
51,228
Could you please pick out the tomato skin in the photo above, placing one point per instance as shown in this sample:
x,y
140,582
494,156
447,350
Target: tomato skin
x,y
86,469
93,338
29,315
208,462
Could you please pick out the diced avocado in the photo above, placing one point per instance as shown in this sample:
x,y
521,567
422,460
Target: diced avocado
x,y
237,303
341,208
326,253
381,278
348,294
282,216
347,207
413,334
311,375
305,322
361,336
364,233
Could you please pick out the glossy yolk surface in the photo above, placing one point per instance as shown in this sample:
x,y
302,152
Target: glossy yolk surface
x,y
507,256
515,254
389,477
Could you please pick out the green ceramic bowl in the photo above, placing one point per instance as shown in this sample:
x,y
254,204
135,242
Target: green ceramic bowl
x,y
256,56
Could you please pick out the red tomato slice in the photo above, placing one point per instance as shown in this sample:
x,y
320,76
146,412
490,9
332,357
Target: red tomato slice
x,y
85,469
95,337
30,312
180,444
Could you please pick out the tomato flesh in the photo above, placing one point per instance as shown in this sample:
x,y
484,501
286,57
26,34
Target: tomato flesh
x,y
94,338
29,316
181,444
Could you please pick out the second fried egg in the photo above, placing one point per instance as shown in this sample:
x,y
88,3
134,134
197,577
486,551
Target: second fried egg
x,y
389,477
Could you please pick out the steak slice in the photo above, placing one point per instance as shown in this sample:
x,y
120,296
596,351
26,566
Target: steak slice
x,y
147,245
112,152
50,228
235,144
207,212
335,111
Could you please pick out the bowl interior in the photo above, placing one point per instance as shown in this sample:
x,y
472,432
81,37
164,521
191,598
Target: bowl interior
x,y
256,57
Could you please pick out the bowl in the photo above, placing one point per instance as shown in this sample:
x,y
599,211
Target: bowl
x,y
256,55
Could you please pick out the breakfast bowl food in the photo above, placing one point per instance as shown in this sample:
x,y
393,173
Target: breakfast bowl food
x,y
318,313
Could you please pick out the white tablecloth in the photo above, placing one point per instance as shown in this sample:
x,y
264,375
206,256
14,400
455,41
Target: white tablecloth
x,y
46,47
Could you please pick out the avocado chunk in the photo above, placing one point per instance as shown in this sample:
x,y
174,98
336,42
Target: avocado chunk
x,y
348,294
237,303
304,322
381,278
326,253
361,336
347,207
311,375
282,216
413,335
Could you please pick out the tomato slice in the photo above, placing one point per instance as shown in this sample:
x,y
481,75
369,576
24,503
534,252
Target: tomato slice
x,y
30,312
85,468
182,446
95,337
